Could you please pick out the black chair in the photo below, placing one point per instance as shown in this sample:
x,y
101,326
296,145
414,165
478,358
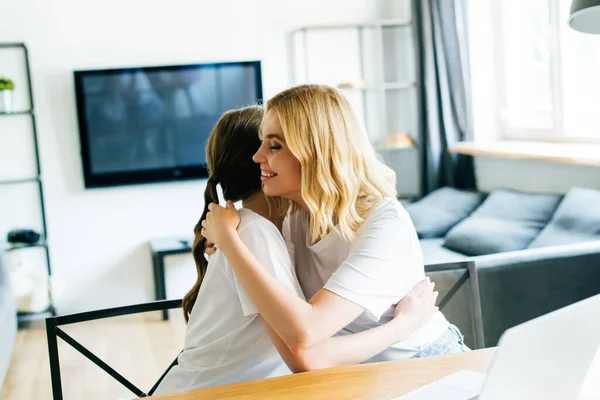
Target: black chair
x,y
53,331
463,308
461,304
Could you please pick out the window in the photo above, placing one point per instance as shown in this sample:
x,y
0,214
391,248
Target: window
x,y
547,75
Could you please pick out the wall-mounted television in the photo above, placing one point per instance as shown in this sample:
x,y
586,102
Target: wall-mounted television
x,y
151,124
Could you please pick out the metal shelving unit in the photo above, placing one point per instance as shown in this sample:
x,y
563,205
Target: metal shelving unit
x,y
384,87
36,180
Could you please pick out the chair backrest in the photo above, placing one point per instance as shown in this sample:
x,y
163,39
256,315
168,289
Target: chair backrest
x,y
458,288
53,331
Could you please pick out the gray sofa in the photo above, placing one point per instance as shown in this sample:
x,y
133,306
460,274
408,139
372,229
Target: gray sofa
x,y
534,253
8,321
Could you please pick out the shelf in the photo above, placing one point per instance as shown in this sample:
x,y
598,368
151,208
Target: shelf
x,y
359,85
399,85
376,68
42,244
11,45
390,149
375,24
18,181
24,112
394,22
565,153
5,246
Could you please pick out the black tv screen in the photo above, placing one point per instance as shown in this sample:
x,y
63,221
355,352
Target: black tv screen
x,y
151,124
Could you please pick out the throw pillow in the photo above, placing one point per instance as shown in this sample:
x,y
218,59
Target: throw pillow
x,y
436,213
506,221
576,220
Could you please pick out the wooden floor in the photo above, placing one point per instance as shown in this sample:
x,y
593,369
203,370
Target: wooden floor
x,y
139,347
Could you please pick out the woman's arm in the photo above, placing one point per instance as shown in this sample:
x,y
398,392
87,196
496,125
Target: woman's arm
x,y
300,324
412,312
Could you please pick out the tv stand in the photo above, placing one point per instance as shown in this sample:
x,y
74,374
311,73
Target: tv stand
x,y
161,248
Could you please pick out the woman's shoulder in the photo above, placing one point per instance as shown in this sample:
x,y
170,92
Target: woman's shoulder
x,y
388,207
251,220
391,224
387,214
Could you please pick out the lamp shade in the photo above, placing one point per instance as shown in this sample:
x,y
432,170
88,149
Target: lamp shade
x,y
585,16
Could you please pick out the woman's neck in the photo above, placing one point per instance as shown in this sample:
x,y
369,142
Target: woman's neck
x,y
299,202
258,203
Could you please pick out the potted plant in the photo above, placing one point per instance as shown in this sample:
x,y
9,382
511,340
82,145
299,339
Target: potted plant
x,y
6,95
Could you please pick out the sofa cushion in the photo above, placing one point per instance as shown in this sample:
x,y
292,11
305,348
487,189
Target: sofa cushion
x,y
436,213
576,220
506,221
434,252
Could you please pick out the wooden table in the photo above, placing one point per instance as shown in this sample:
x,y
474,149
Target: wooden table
x,y
377,381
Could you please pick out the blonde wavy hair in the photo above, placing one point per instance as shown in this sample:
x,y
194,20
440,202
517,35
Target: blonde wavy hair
x,y
342,176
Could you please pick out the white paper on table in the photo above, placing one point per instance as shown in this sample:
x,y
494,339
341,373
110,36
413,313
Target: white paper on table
x,y
461,385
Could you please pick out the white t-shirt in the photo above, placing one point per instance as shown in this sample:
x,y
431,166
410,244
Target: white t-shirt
x,y
377,269
225,341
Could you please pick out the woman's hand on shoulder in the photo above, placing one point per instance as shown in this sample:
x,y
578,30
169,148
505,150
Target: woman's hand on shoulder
x,y
418,306
219,223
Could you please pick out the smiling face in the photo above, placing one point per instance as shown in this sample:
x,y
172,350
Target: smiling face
x,y
280,170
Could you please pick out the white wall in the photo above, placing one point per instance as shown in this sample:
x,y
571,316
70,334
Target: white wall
x,y
98,238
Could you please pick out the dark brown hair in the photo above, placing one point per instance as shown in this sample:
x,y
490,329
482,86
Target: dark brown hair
x,y
231,145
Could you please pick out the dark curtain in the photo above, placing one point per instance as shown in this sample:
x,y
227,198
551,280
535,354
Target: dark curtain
x,y
443,70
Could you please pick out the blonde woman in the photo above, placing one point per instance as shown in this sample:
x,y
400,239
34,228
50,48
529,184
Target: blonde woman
x,y
226,339
354,247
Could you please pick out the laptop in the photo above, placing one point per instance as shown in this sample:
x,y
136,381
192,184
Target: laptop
x,y
545,358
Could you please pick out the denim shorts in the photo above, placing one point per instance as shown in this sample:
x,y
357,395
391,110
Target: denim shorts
x,y
450,342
